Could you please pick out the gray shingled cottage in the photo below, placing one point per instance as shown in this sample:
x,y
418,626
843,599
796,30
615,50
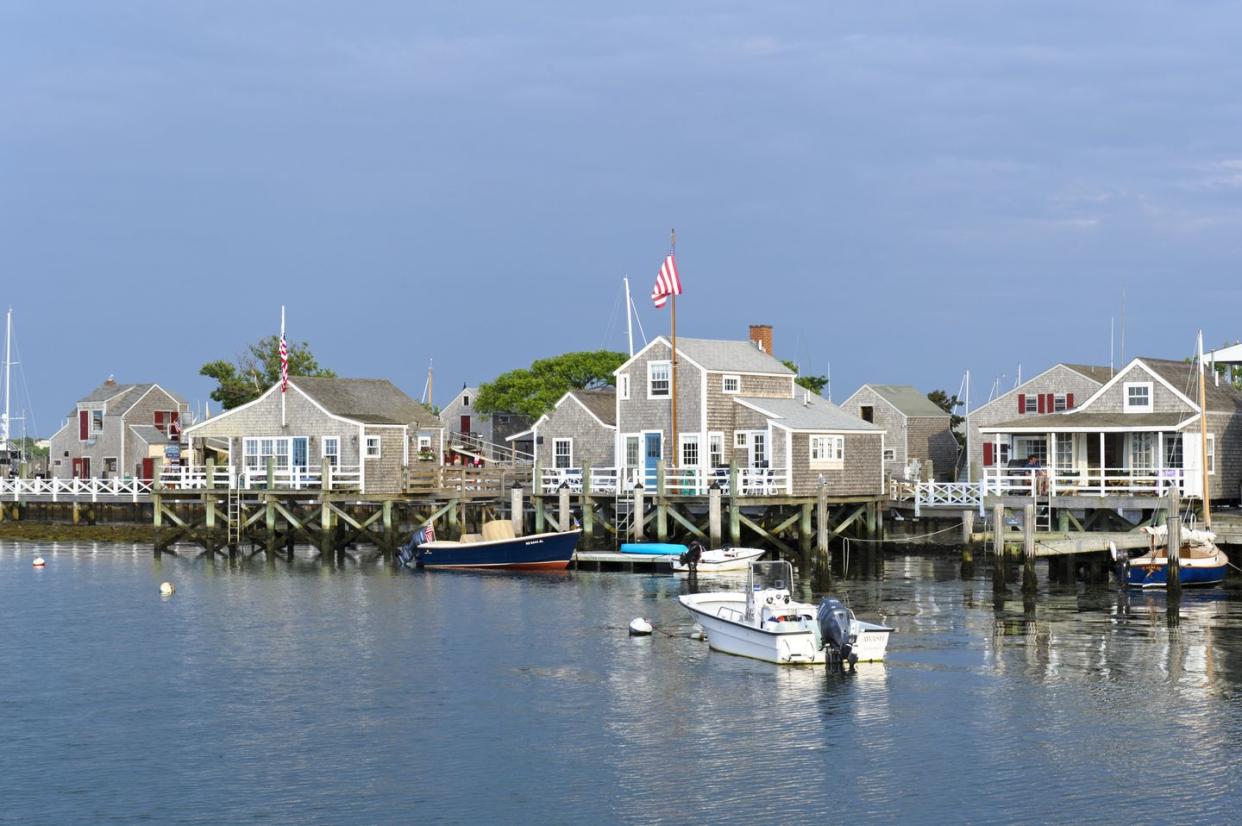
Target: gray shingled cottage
x,y
493,436
578,432
1138,433
917,433
738,405
118,431
367,429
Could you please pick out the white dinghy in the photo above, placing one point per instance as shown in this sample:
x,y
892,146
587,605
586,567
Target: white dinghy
x,y
765,623
720,560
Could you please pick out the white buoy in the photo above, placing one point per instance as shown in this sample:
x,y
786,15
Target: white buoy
x,y
167,589
39,562
639,627
696,633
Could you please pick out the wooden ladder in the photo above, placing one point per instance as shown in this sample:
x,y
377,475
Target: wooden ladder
x,y
234,515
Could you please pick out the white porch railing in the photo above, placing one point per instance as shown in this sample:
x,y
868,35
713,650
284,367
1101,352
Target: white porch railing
x,y
1082,482
693,481
310,477
75,488
947,495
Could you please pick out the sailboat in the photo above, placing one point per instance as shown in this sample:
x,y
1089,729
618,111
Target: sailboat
x,y
1200,561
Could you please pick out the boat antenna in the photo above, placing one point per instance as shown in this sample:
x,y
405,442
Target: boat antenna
x,y
8,376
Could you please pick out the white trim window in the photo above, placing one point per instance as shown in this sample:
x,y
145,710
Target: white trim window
x,y
257,449
633,450
1065,452
623,386
563,453
1211,454
1138,396
1142,451
689,449
1030,404
827,451
739,438
890,454
659,379
715,450
1060,402
97,417
731,384
330,450
372,447
424,443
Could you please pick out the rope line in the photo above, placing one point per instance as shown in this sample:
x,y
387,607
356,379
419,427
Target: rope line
x,y
907,539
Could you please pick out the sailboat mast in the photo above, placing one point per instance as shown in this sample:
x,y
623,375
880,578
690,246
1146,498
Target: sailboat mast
x,y
1207,491
629,316
8,373
673,298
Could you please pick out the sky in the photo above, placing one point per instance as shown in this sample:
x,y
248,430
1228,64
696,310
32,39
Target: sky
x,y
904,190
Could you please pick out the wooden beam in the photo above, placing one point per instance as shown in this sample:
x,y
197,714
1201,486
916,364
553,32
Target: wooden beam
x,y
745,520
686,523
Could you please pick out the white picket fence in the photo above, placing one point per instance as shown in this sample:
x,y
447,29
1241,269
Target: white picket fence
x,y
1044,483
677,481
344,478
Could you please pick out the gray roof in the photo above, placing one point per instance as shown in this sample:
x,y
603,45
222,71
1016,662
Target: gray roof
x,y
726,356
1185,378
1063,421
371,401
121,396
908,400
149,433
1097,374
808,412
109,389
602,403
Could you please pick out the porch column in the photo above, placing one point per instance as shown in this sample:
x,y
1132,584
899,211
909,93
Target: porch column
x,y
1103,464
1160,462
1052,464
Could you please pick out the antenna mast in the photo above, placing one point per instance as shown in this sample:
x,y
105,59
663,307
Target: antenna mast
x,y
8,376
629,315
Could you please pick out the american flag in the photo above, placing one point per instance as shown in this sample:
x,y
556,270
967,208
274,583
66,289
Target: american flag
x,y
667,283
284,363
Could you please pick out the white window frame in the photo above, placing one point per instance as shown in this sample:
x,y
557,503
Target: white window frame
x,y
758,458
424,443
638,450
1142,447
737,384
684,441
1030,404
97,428
368,442
741,439
715,448
890,454
826,451
569,456
1060,402
1211,457
116,464
651,394
1130,407
623,386
335,453
278,447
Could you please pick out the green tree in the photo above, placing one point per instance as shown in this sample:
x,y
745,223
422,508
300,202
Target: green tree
x,y
532,391
815,384
258,368
949,404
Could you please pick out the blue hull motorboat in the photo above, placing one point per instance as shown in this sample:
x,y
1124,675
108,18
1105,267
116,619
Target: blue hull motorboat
x,y
538,552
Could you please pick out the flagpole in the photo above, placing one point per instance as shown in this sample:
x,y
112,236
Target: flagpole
x,y
282,377
673,251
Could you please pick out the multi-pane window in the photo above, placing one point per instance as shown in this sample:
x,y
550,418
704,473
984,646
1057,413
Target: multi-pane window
x,y
256,452
331,450
739,438
715,449
827,450
97,421
632,447
1211,454
1065,452
732,384
1138,397
1173,450
659,376
759,450
1027,446
890,454
1031,404
563,453
1060,402
1142,451
372,447
690,450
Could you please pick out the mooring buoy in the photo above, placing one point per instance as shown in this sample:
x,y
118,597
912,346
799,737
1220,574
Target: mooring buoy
x,y
39,562
167,589
639,627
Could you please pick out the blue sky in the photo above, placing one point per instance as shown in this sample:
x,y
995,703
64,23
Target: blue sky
x,y
904,190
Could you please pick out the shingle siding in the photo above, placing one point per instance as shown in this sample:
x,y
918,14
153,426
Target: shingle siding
x,y
861,474
929,437
593,442
1059,379
889,418
1163,400
639,413
135,406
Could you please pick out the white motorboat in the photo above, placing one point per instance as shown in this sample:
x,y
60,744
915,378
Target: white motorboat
x,y
765,623
722,559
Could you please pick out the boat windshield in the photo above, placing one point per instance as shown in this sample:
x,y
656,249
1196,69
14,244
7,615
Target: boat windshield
x,y
776,574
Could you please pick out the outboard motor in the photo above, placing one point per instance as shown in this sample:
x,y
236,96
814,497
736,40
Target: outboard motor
x,y
694,553
834,627
407,553
1121,564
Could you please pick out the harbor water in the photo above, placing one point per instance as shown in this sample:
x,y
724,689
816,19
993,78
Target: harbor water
x,y
303,693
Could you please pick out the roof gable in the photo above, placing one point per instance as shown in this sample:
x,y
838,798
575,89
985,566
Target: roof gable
x,y
905,399
810,412
370,401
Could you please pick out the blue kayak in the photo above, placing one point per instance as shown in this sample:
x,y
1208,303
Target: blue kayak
x,y
653,548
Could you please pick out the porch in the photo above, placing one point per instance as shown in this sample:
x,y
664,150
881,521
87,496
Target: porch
x,y
680,481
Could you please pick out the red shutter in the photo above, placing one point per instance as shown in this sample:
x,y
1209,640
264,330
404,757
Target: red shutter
x,y
1052,402
159,420
1069,401
1021,403
84,425
987,454
1040,403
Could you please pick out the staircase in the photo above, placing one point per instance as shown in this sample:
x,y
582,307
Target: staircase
x,y
623,508
474,446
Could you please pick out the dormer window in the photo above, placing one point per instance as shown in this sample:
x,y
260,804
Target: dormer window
x,y
1138,397
96,421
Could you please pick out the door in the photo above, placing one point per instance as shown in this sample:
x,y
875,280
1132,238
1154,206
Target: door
x,y
77,468
86,467
759,449
148,469
651,459
298,458
465,424
1192,464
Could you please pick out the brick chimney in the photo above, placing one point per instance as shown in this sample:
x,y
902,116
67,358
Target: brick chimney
x,y
761,335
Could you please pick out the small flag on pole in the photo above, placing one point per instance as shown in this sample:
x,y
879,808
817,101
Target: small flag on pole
x,y
667,283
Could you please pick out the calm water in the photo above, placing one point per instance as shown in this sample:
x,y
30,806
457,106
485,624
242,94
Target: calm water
x,y
295,693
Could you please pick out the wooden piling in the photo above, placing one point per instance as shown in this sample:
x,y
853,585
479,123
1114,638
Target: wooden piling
x,y
586,507
1173,571
805,540
563,515
661,506
636,516
517,508
735,514
713,515
968,554
998,549
1028,550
